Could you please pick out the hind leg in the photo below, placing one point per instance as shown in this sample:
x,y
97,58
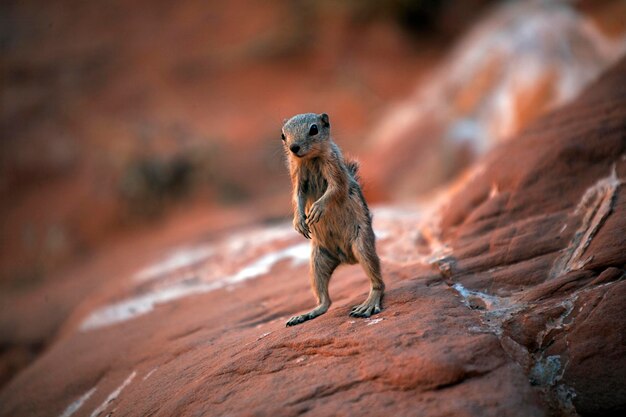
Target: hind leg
x,y
322,266
364,249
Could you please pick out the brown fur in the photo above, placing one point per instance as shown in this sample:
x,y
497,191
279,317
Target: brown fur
x,y
329,208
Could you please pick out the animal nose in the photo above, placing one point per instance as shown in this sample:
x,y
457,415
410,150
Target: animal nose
x,y
294,148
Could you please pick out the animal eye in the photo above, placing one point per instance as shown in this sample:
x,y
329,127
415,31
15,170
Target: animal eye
x,y
313,130
282,135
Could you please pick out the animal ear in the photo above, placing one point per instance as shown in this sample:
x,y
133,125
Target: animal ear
x,y
324,118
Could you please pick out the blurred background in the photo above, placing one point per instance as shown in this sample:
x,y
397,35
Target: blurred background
x,y
133,121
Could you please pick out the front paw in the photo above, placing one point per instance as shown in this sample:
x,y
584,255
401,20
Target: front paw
x,y
301,227
315,213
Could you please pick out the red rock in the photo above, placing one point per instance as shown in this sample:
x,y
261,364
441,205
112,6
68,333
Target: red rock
x,y
553,253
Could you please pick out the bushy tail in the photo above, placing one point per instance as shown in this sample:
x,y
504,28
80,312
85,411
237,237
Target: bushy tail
x,y
353,168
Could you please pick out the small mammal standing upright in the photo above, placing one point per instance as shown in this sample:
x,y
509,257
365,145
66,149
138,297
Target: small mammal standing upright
x,y
329,209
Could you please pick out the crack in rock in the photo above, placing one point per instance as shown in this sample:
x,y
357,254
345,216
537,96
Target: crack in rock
x,y
545,372
326,390
568,304
548,372
596,205
494,310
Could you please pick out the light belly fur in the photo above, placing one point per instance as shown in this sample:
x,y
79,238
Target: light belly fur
x,y
337,236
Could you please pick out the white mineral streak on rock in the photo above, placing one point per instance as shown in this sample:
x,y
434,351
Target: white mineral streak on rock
x,y
189,257
595,205
149,374
140,305
494,310
73,407
299,255
209,277
112,396
263,336
260,237
180,258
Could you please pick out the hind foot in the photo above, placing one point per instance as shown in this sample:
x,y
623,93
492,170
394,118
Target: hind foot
x,y
369,307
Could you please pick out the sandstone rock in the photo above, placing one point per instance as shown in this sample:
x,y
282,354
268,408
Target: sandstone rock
x,y
549,245
201,330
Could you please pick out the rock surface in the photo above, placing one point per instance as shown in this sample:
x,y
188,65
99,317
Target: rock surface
x,y
538,235
507,300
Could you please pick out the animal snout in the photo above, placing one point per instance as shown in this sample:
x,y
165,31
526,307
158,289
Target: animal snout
x,y
295,148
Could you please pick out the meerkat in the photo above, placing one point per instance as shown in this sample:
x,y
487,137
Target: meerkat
x,y
329,209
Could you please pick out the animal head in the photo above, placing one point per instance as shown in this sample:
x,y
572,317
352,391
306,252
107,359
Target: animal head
x,y
306,135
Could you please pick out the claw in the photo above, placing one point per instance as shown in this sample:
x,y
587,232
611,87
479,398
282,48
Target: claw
x,y
294,321
302,228
365,310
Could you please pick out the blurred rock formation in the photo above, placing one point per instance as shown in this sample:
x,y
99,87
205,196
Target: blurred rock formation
x,y
521,60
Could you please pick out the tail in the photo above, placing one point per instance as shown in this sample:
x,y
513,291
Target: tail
x,y
353,168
